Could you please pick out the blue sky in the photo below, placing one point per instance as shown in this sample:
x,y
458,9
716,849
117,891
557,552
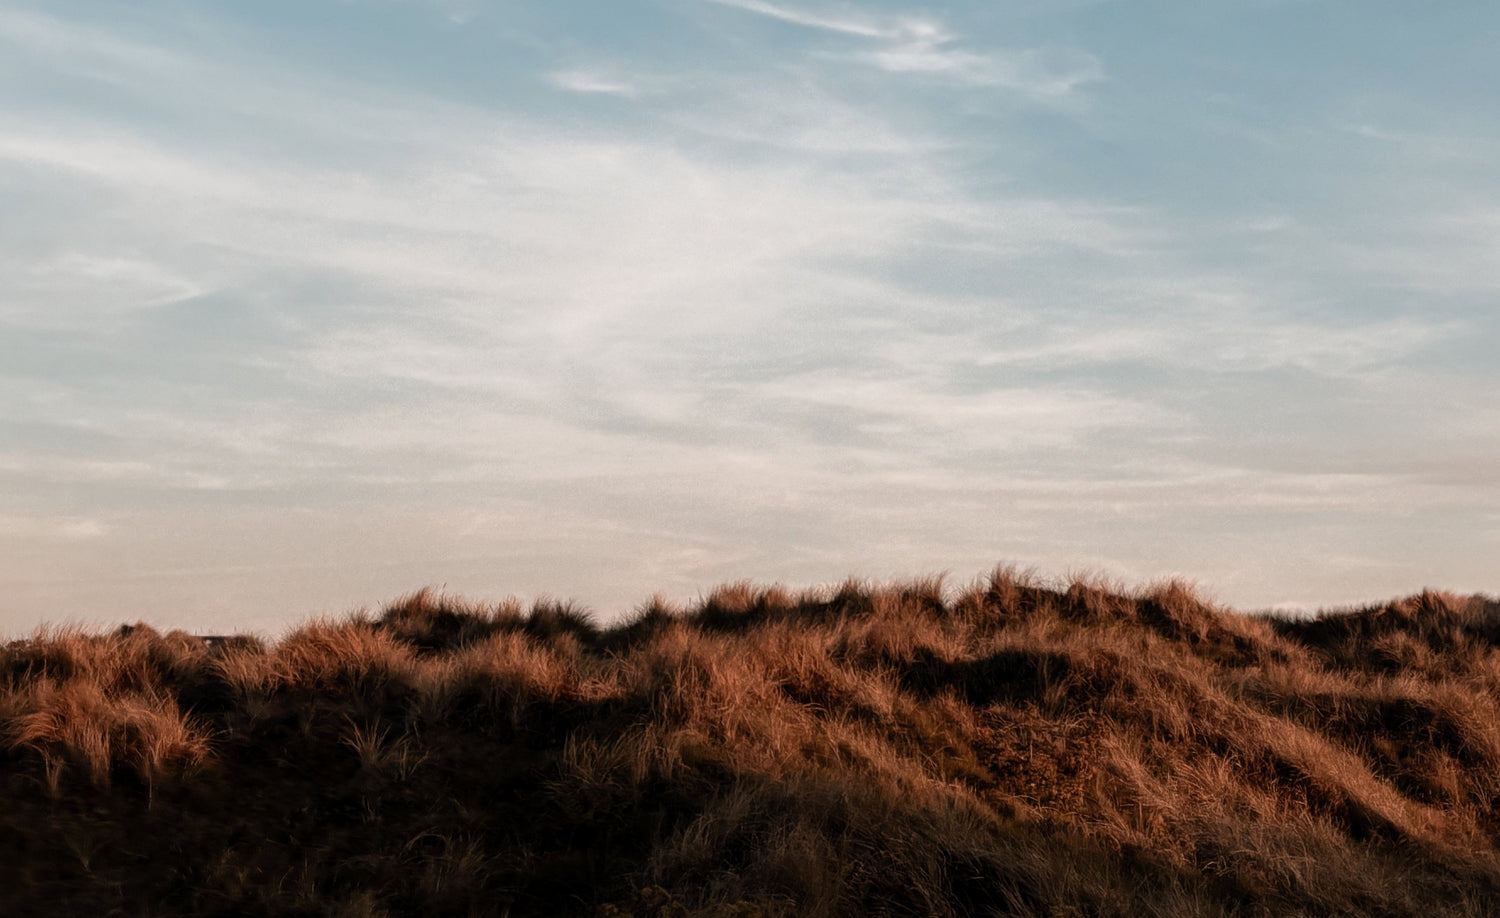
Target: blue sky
x,y
309,304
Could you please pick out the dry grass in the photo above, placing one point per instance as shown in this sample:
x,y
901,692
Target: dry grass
x,y
1013,747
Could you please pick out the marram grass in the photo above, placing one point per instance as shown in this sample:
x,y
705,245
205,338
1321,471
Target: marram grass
x,y
1011,748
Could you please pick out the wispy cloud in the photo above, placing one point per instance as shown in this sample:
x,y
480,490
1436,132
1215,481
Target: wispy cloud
x,y
86,50
106,288
925,46
1040,73
591,83
612,256
74,529
890,28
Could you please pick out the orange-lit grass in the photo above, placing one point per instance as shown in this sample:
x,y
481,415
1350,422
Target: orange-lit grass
x,y
1008,747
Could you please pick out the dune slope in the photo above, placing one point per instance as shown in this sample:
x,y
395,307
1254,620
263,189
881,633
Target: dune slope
x,y
1015,747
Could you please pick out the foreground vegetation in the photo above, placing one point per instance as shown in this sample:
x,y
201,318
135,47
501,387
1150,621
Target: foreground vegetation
x,y
1013,748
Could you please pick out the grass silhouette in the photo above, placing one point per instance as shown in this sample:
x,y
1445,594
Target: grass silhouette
x,y
1016,747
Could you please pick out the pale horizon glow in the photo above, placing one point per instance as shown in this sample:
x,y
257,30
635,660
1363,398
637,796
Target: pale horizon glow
x,y
308,306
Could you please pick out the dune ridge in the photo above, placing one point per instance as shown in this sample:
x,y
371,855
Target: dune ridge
x,y
1014,746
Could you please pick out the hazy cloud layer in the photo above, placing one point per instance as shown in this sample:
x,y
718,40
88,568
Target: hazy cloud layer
x,y
729,289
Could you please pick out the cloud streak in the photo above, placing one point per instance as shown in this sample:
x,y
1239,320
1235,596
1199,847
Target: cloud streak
x,y
900,29
922,46
590,83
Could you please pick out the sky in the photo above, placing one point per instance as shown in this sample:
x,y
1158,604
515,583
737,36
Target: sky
x,y
309,304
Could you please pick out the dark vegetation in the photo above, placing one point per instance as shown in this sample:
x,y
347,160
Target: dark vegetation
x,y
1013,748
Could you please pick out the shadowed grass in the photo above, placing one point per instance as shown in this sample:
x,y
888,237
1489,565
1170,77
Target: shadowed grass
x,y
1012,747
